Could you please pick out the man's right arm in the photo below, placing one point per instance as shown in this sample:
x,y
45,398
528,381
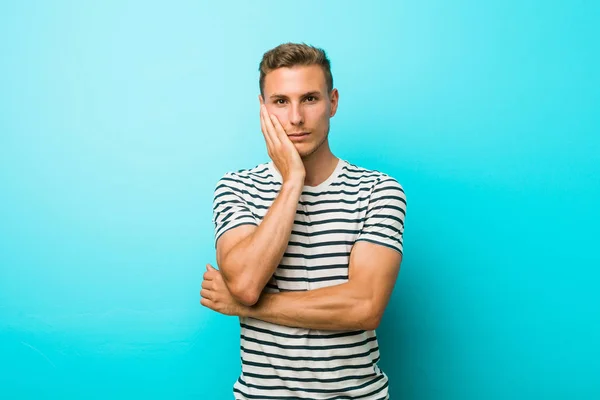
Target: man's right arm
x,y
248,255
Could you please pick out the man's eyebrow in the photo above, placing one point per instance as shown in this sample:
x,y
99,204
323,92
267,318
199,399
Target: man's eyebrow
x,y
313,93
283,96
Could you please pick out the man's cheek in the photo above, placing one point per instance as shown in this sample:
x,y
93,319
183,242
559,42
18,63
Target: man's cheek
x,y
274,111
281,117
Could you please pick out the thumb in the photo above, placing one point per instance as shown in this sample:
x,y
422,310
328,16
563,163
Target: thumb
x,y
210,267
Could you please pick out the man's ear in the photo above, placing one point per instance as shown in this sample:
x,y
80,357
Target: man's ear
x,y
260,99
334,97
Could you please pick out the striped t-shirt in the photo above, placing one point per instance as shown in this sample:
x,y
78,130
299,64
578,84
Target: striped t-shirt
x,y
354,203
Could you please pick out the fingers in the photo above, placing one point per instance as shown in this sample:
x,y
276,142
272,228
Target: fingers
x,y
270,120
207,303
278,127
276,134
271,131
206,294
211,273
263,128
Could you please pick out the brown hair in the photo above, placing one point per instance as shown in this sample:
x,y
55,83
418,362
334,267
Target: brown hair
x,y
294,54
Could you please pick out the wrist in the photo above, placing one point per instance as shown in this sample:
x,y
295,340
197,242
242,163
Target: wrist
x,y
295,185
244,311
257,309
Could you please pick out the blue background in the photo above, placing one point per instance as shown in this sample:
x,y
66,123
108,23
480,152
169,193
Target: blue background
x,y
117,119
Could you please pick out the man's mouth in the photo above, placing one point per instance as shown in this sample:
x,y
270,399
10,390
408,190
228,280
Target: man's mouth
x,y
295,137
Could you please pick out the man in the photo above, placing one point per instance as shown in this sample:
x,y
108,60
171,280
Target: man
x,y
308,246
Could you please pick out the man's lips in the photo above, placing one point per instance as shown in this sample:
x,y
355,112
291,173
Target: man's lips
x,y
298,136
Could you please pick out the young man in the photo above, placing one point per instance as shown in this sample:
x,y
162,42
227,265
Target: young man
x,y
308,246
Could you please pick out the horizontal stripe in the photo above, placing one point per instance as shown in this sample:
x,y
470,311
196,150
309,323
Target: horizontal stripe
x,y
242,220
308,369
390,227
336,192
307,347
302,279
231,188
333,201
315,256
302,336
222,231
312,268
321,244
391,238
386,216
359,174
329,221
311,390
218,213
389,207
361,181
301,358
390,189
268,179
259,170
332,210
389,197
255,170
326,232
315,380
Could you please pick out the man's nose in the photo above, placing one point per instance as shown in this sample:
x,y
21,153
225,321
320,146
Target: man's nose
x,y
296,117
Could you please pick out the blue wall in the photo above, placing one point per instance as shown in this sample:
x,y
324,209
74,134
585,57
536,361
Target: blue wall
x,y
118,118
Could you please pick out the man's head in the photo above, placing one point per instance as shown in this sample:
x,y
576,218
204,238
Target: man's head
x,y
296,86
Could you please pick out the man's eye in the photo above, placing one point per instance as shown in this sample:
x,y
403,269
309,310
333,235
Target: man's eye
x,y
311,98
279,101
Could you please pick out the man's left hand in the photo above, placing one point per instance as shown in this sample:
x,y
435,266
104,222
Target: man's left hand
x,y
216,295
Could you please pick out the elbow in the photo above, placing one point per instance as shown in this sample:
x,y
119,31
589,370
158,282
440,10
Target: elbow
x,y
372,319
240,288
244,294
371,323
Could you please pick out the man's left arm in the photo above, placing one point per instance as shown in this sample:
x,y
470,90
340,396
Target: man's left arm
x,y
355,305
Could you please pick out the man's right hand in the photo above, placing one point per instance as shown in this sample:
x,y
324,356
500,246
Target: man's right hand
x,y
280,148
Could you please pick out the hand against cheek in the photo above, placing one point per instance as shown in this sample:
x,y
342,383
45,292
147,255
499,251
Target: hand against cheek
x,y
216,296
280,148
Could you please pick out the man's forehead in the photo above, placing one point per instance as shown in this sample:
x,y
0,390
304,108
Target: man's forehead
x,y
295,81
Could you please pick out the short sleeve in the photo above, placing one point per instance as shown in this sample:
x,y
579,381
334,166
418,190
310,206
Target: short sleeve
x,y
230,210
384,222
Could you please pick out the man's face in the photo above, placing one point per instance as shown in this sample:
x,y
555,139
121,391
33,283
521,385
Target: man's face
x,y
298,97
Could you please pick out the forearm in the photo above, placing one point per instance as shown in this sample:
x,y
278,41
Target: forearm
x,y
339,307
252,262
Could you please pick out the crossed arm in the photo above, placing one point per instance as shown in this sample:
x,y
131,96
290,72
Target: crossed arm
x,y
356,304
249,254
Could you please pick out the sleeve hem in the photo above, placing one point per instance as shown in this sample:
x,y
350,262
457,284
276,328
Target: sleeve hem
x,y
231,227
399,250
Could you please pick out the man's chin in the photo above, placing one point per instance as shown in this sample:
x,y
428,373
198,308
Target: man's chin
x,y
302,148
306,152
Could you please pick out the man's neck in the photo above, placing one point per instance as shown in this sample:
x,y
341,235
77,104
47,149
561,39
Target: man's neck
x,y
319,166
